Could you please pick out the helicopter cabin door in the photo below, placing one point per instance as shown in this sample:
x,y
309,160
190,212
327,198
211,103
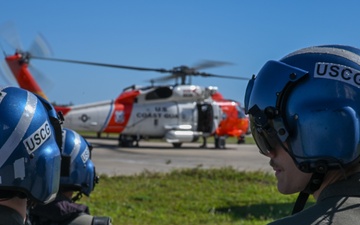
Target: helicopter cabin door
x,y
205,117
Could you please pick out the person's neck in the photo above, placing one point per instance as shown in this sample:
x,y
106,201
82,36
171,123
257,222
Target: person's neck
x,y
68,194
335,175
18,204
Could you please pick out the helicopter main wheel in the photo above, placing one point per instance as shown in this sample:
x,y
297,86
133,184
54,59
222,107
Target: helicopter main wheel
x,y
126,141
177,145
241,139
219,142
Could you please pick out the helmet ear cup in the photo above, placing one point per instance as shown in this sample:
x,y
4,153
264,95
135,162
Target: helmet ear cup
x,y
330,135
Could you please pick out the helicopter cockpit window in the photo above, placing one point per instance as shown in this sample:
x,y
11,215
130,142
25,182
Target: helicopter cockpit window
x,y
159,93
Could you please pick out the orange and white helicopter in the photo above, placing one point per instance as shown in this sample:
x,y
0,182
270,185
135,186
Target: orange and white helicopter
x,y
179,113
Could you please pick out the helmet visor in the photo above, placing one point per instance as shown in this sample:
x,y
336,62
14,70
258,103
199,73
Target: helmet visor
x,y
267,133
263,101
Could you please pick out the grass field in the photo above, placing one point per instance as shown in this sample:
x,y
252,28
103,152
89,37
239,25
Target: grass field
x,y
190,196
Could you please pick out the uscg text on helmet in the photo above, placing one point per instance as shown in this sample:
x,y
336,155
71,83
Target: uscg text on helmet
x,y
337,72
36,139
85,155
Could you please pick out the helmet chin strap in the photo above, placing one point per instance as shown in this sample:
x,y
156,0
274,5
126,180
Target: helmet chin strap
x,y
313,185
77,196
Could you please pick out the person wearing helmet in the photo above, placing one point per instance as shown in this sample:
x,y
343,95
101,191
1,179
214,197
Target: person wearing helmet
x,y
304,112
78,177
29,153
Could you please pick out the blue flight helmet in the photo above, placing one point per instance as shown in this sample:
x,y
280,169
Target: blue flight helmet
x,y
30,141
78,171
310,100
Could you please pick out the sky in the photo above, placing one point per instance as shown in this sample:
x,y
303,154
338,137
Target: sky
x,y
169,33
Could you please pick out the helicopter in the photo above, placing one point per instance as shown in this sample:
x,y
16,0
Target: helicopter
x,y
179,113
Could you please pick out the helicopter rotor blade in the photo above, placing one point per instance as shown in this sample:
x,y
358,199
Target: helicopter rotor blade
x,y
170,77
45,83
163,79
102,64
40,47
205,64
10,35
183,71
222,76
177,72
6,75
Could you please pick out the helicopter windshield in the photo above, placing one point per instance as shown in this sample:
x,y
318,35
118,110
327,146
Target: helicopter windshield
x,y
159,93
